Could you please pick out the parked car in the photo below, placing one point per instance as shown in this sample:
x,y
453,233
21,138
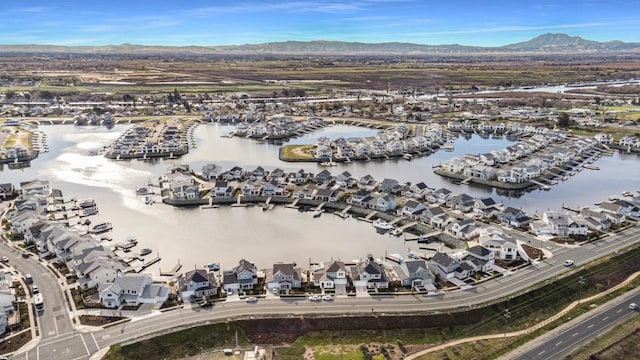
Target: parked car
x,y
327,298
314,298
29,278
568,263
25,255
35,289
633,306
251,299
206,304
5,259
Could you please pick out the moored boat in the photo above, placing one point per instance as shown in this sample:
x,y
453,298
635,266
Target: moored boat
x,y
380,224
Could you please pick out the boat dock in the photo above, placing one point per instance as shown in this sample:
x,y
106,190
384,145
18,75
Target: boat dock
x,y
467,180
395,221
408,225
573,209
590,167
173,272
542,186
294,204
146,264
344,213
369,217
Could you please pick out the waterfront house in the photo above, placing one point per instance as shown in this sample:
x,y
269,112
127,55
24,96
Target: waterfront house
x,y
323,194
462,229
32,234
184,191
211,171
443,265
333,276
453,165
346,180
198,283
555,223
222,189
22,220
235,173
307,192
323,177
487,159
273,188
258,174
461,202
323,152
240,278
177,178
485,207
278,175
95,269
251,188
367,182
33,187
6,191
299,177
434,216
369,275
415,273
345,151
481,258
386,203
439,196
284,278
360,198
133,290
617,207
503,246
418,191
388,185
412,209
514,217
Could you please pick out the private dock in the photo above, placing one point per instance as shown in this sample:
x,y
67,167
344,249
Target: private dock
x,y
173,272
294,204
408,225
344,213
542,186
145,265
573,209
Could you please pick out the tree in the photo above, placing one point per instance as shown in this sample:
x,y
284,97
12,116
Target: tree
x,y
564,120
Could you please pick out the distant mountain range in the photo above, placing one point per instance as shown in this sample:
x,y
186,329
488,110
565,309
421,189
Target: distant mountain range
x,y
550,43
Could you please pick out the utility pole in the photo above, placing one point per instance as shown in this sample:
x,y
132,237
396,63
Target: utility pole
x,y
581,281
507,316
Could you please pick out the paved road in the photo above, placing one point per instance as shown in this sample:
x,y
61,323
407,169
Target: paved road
x,y
558,344
55,319
76,345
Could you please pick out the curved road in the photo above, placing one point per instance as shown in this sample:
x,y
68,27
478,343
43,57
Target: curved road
x,y
70,344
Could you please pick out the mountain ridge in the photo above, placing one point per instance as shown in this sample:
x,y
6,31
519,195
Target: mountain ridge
x,y
548,43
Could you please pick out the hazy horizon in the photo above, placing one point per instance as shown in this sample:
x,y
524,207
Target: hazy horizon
x,y
203,23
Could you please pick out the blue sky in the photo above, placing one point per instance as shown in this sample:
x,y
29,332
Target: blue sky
x,y
222,22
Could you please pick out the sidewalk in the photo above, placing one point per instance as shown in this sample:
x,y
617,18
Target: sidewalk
x,y
528,330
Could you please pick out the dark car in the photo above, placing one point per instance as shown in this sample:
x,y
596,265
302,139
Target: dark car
x,y
206,304
25,255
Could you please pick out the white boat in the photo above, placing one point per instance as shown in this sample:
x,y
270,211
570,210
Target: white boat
x,y
317,213
213,266
396,232
407,156
100,228
144,251
131,240
448,146
380,224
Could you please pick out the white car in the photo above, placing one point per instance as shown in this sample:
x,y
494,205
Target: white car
x,y
327,298
633,306
5,259
251,299
315,298
568,263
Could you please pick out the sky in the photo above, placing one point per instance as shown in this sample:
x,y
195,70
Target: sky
x,y
222,22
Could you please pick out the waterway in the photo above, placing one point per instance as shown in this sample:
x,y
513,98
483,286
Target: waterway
x,y
195,237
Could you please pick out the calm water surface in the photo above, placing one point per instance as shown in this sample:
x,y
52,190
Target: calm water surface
x,y
196,237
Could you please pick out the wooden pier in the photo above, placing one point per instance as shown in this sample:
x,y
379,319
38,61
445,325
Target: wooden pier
x,y
408,225
173,272
146,264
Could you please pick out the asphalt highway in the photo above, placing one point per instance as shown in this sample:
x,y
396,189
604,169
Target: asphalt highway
x,y
558,344
70,344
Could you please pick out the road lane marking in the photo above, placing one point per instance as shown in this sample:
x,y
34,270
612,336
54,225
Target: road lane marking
x,y
618,312
542,352
85,344
94,341
605,318
575,334
590,326
558,343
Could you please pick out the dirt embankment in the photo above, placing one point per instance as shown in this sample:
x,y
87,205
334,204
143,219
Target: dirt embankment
x,y
281,331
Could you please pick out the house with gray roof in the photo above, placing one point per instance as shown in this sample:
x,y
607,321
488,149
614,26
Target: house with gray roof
x,y
443,265
415,273
370,275
132,290
330,276
242,277
198,283
285,277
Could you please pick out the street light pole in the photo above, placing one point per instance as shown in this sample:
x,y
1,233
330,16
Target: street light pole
x,y
581,281
507,315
